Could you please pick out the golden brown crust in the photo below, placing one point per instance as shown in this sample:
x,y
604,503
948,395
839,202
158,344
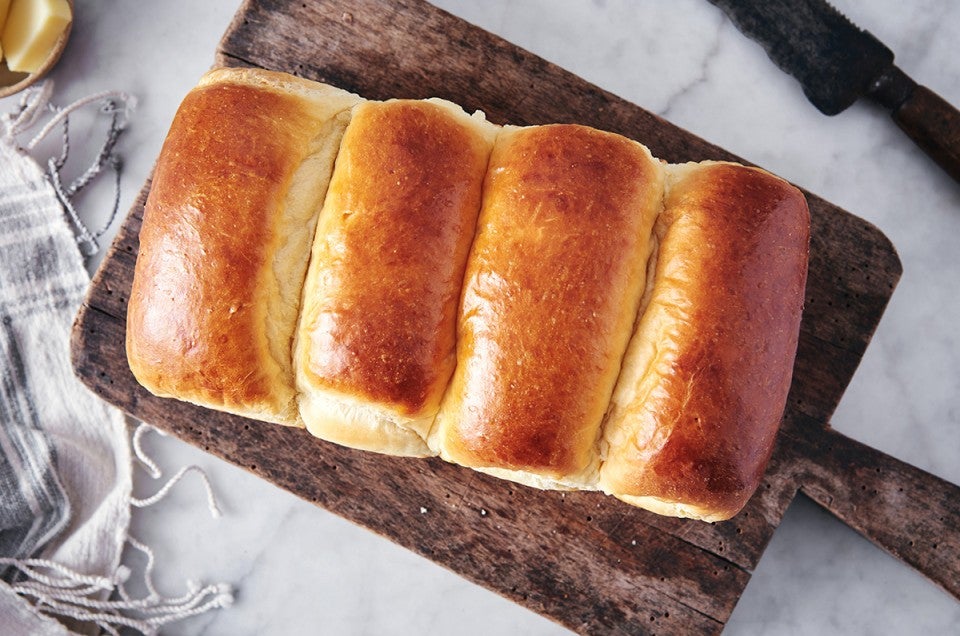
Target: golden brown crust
x,y
378,322
205,301
551,292
695,413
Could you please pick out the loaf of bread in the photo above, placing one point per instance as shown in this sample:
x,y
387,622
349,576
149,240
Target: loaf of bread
x,y
550,304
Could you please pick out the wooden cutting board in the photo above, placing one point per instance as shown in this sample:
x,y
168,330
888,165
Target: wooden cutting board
x,y
585,560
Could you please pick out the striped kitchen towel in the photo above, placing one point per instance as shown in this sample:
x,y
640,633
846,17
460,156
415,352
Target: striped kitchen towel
x,y
33,505
64,456
65,460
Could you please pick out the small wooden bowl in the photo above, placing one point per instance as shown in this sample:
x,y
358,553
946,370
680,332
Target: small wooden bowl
x,y
11,82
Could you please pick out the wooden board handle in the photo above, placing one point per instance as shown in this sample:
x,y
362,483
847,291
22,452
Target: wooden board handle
x,y
910,513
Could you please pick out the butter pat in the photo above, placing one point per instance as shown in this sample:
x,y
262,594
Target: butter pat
x,y
4,7
31,31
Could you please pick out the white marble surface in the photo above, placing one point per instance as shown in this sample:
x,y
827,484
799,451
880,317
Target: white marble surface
x,y
301,570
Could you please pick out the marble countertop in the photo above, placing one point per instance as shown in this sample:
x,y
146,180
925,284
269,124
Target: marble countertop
x,y
299,569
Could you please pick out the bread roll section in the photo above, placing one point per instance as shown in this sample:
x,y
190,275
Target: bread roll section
x,y
225,240
376,343
704,384
550,297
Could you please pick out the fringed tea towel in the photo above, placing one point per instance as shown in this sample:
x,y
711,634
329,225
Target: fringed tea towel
x,y
65,461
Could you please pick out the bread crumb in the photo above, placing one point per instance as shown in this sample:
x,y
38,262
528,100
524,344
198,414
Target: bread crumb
x,y
423,510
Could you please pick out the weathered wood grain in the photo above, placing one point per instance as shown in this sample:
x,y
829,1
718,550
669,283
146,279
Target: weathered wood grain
x,y
587,561
913,515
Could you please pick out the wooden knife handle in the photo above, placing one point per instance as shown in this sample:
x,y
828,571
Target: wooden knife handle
x,y
910,513
934,125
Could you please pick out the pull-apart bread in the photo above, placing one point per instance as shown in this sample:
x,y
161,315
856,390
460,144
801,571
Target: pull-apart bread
x,y
549,304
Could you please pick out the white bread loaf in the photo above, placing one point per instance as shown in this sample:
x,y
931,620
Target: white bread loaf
x,y
608,323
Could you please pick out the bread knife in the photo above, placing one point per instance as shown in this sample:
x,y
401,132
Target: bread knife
x,y
837,63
